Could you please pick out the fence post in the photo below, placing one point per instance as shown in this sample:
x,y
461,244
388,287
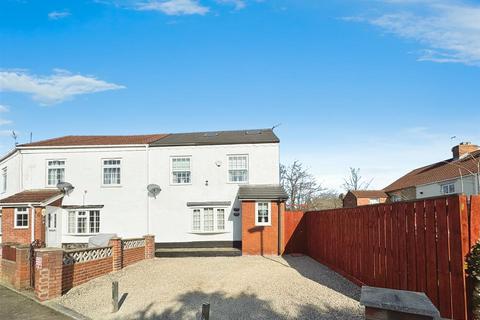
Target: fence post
x,y
117,253
48,273
206,311
149,246
115,296
22,267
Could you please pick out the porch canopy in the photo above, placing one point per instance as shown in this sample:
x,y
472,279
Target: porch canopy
x,y
36,197
262,192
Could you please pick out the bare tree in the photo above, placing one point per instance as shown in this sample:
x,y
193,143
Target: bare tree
x,y
354,181
328,199
300,185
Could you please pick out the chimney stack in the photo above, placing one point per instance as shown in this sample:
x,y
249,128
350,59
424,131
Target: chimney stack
x,y
463,148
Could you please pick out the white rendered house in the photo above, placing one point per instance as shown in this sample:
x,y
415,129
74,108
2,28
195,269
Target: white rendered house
x,y
199,175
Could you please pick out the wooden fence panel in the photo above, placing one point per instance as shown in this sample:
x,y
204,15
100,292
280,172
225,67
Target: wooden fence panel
x,y
443,258
431,251
418,246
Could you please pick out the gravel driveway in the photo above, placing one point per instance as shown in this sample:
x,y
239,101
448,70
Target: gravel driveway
x,y
236,288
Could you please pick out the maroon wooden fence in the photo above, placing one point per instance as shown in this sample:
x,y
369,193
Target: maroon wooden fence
x,y
418,246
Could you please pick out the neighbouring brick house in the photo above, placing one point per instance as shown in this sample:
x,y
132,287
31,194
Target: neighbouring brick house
x,y
356,198
457,175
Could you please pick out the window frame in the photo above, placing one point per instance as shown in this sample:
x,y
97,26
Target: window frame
x,y
264,224
0,221
172,182
87,224
215,214
17,213
47,166
448,185
102,172
4,181
248,168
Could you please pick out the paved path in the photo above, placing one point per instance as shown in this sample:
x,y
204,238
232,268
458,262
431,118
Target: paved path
x,y
14,306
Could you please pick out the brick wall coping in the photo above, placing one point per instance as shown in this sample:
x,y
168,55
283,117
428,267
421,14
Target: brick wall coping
x,y
85,249
48,249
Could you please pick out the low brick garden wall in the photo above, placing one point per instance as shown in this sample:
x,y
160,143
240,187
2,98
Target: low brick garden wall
x,y
15,265
82,265
58,270
133,251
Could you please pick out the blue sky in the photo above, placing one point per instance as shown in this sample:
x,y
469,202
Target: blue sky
x,y
379,85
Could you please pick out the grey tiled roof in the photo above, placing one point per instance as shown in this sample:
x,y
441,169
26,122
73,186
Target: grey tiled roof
x,y
217,137
262,192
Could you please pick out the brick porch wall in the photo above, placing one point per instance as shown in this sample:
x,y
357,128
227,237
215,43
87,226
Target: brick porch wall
x,y
259,240
12,234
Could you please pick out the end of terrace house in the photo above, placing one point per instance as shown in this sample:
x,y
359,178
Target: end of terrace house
x,y
201,189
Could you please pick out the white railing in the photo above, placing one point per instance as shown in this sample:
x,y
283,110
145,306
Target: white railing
x,y
133,243
85,255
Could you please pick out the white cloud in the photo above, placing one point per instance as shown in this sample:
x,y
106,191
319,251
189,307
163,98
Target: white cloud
x,y
449,30
4,108
239,4
4,122
60,86
55,15
174,7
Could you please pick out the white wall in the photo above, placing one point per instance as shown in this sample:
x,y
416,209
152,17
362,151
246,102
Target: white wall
x,y
434,189
125,207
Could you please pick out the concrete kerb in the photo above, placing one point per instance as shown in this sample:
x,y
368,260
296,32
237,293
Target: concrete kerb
x,y
49,304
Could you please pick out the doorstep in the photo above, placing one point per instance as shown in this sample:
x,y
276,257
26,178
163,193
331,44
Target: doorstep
x,y
197,252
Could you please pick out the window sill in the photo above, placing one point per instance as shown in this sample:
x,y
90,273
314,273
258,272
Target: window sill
x,y
208,232
180,184
21,227
263,225
81,234
237,182
111,185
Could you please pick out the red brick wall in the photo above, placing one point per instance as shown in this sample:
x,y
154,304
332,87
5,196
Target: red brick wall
x,y
17,272
259,240
78,273
133,255
10,234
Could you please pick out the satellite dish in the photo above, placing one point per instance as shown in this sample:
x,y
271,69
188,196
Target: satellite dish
x,y
154,189
65,187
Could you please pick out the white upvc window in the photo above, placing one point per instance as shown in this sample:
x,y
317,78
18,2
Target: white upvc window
x,y
208,220
84,222
263,213
4,180
55,172
181,170
196,220
448,188
21,218
0,221
111,172
373,200
238,168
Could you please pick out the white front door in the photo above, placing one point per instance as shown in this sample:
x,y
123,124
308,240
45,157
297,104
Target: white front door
x,y
53,229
